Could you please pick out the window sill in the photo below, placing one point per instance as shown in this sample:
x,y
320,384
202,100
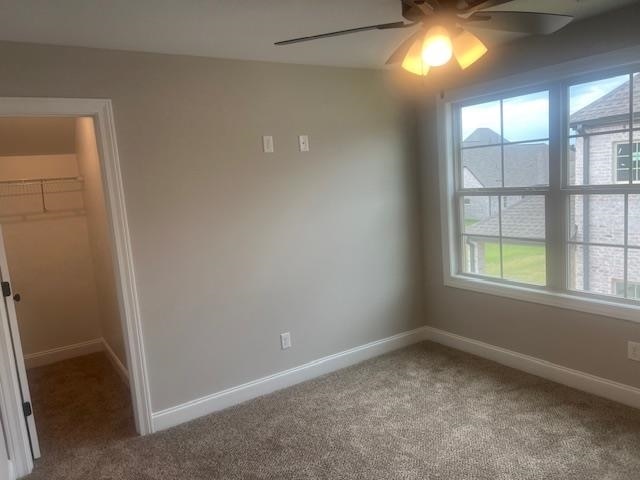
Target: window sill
x,y
565,301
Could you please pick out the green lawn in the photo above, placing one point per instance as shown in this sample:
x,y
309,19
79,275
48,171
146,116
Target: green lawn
x,y
521,263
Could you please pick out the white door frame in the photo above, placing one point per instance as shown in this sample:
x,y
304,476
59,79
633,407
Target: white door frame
x,y
102,113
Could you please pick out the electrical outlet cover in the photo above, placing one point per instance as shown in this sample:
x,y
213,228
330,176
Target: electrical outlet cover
x,y
634,351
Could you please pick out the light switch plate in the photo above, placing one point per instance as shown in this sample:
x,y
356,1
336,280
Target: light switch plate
x,y
267,144
303,141
285,340
634,351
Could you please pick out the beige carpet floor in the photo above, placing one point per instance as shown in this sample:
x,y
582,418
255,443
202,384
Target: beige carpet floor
x,y
81,406
425,412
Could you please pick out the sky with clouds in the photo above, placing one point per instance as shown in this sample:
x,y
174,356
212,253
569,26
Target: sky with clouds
x,y
527,117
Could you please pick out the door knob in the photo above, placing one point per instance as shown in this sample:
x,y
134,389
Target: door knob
x,y
16,297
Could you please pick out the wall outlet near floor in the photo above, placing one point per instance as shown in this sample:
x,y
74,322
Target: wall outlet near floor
x,y
285,340
634,351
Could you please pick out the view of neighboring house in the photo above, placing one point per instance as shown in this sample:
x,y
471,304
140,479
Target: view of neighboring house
x,y
526,164
605,156
599,155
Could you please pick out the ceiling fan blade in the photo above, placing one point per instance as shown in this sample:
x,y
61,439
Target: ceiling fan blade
x,y
399,53
476,6
382,26
532,23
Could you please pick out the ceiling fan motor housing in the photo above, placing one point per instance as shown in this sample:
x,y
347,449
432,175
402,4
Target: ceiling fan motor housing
x,y
412,13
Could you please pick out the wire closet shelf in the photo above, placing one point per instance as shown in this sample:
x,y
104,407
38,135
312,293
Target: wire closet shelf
x,y
40,196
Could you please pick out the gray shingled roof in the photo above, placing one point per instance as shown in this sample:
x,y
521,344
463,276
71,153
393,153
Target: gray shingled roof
x,y
526,164
611,106
482,136
524,219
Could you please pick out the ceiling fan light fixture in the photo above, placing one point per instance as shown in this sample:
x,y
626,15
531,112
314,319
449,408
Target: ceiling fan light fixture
x,y
467,48
437,48
413,61
442,35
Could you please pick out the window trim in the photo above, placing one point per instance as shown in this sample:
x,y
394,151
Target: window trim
x,y
544,78
501,192
616,282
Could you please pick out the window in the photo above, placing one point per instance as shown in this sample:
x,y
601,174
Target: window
x,y
627,161
505,177
546,191
633,289
602,223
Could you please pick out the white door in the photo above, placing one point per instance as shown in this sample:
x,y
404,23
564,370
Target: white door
x,y
6,472
12,319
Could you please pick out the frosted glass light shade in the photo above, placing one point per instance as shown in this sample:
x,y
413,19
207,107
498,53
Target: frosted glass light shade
x,y
467,48
437,48
413,60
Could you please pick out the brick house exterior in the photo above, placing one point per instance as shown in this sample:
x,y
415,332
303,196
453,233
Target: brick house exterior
x,y
602,155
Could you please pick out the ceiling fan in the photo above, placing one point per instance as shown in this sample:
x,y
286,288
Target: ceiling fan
x,y
443,31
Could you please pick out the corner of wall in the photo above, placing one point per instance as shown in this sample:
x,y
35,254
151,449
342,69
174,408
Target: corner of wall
x,y
99,237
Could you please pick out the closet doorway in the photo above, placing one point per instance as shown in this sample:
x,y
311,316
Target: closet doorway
x,y
66,344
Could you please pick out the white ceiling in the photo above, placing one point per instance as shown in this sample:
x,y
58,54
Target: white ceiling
x,y
241,29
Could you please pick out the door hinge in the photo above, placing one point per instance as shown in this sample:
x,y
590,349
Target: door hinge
x,y
6,289
26,408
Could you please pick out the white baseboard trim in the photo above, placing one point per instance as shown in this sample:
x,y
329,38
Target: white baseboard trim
x,y
586,382
115,361
54,355
231,396
11,470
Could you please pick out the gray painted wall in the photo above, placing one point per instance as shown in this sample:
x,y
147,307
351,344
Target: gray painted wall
x,y
577,340
49,257
99,239
36,136
231,246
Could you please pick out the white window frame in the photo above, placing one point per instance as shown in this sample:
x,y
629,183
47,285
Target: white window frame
x,y
542,79
617,282
501,193
615,162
